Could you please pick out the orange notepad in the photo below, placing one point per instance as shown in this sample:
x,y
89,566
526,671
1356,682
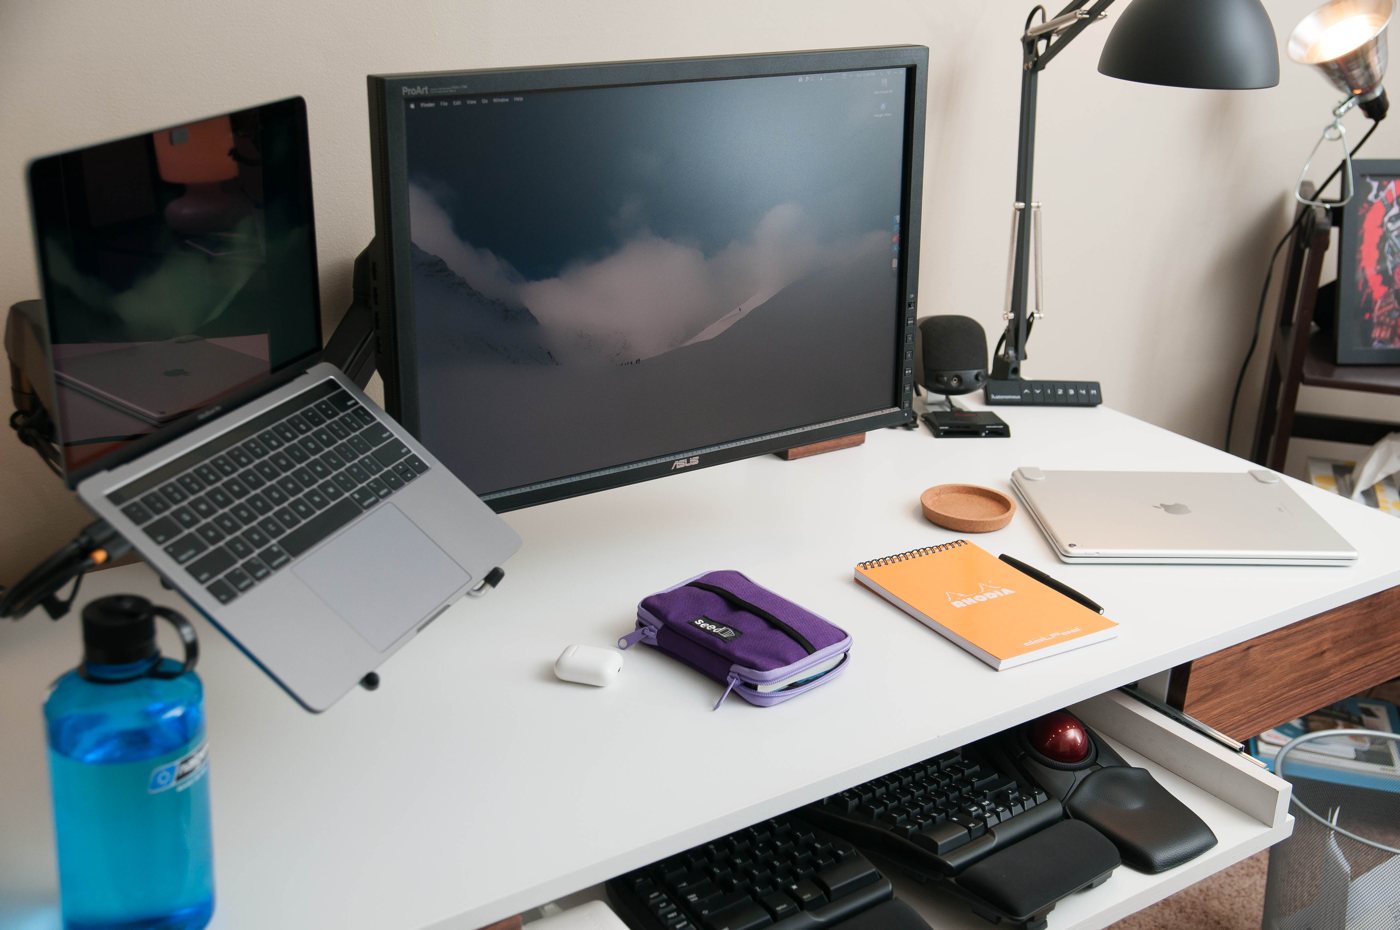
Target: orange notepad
x,y
998,614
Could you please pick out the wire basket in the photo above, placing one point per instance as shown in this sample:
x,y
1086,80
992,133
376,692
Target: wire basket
x,y
1340,870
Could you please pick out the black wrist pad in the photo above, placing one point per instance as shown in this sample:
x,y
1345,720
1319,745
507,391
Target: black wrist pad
x,y
1151,828
1023,881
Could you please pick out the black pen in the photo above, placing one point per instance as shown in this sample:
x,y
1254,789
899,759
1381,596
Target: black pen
x,y
1192,723
1051,583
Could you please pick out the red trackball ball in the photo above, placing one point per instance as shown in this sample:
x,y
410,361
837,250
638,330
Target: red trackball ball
x,y
1060,736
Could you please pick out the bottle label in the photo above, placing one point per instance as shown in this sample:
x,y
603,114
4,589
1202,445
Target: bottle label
x,y
180,773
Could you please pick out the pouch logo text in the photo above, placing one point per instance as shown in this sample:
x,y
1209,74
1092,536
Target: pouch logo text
x,y
726,633
985,592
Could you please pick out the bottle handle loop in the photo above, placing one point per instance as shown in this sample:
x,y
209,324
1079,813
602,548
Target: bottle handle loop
x,y
187,637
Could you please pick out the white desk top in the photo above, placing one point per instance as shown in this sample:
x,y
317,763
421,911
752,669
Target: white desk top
x,y
475,785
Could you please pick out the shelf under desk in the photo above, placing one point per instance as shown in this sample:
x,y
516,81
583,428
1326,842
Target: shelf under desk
x,y
473,784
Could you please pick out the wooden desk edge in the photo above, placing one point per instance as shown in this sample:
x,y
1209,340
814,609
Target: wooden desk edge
x,y
1260,683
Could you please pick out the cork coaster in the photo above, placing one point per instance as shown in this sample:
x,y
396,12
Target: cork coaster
x,y
967,508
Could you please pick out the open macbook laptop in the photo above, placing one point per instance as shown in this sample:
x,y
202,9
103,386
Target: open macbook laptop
x,y
300,519
1234,518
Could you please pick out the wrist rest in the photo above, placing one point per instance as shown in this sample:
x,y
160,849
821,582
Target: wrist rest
x,y
893,914
1022,882
1151,828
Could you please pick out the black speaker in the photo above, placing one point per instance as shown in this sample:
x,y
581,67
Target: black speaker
x,y
950,354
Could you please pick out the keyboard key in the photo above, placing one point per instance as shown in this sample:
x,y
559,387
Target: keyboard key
x,y
313,417
222,591
319,469
289,486
359,444
342,401
257,568
376,434
332,460
211,566
324,437
202,508
270,440
380,489
258,537
174,493
316,499
301,508
285,433
357,472
275,495
240,547
227,522
210,533
240,580
405,471
236,488
344,481
186,517
326,409
304,477
186,548
297,454
298,424
330,490
259,504
208,473
392,480
137,512
285,516
223,466
219,497
338,430
162,530
156,503
274,557
255,448
365,497
190,482
418,464
391,452
310,445
240,457
319,527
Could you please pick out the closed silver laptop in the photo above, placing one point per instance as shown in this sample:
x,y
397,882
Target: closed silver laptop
x,y
1234,518
262,483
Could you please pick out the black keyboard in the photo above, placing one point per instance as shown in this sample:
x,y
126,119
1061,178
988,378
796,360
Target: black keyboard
x,y
245,504
973,823
942,814
783,873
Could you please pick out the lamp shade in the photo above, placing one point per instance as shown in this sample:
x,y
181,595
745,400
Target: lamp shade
x,y
1221,44
1345,40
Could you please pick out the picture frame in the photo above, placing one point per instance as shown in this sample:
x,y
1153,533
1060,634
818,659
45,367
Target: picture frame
x,y
1368,267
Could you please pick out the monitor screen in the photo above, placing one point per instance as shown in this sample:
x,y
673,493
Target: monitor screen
x,y
596,274
178,271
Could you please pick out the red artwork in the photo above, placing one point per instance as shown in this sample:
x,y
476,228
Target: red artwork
x,y
1378,264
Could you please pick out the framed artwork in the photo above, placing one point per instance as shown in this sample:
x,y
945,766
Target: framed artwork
x,y
1368,270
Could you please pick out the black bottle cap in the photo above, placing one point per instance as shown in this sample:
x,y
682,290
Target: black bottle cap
x,y
119,630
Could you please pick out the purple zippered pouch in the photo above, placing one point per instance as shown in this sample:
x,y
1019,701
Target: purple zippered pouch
x,y
759,644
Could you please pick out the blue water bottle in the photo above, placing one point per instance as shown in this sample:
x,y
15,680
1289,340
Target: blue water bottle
x,y
128,765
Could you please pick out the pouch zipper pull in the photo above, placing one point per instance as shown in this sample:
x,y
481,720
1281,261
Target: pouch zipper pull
x,y
733,680
641,632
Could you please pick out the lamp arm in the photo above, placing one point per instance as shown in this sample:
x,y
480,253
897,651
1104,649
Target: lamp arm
x,y
1040,43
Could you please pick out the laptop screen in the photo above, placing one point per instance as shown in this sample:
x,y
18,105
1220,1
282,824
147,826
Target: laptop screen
x,y
179,275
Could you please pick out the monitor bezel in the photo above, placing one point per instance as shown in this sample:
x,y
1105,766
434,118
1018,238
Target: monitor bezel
x,y
390,249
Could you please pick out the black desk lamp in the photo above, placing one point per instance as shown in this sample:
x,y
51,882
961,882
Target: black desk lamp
x,y
1221,44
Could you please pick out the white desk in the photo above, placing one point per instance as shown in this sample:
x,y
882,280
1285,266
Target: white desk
x,y
474,785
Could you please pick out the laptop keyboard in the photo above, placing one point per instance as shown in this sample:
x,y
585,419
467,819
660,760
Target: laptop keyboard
x,y
242,506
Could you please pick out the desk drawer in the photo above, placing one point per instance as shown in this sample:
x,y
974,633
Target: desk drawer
x,y
1245,806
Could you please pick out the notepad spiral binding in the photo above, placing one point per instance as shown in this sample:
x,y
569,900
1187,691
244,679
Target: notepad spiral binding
x,y
911,554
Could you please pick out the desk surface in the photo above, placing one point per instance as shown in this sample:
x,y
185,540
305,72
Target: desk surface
x,y
473,784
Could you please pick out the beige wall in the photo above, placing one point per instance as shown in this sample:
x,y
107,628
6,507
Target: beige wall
x,y
1160,204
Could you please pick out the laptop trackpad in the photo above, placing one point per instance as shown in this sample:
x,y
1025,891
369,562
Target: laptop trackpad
x,y
384,576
